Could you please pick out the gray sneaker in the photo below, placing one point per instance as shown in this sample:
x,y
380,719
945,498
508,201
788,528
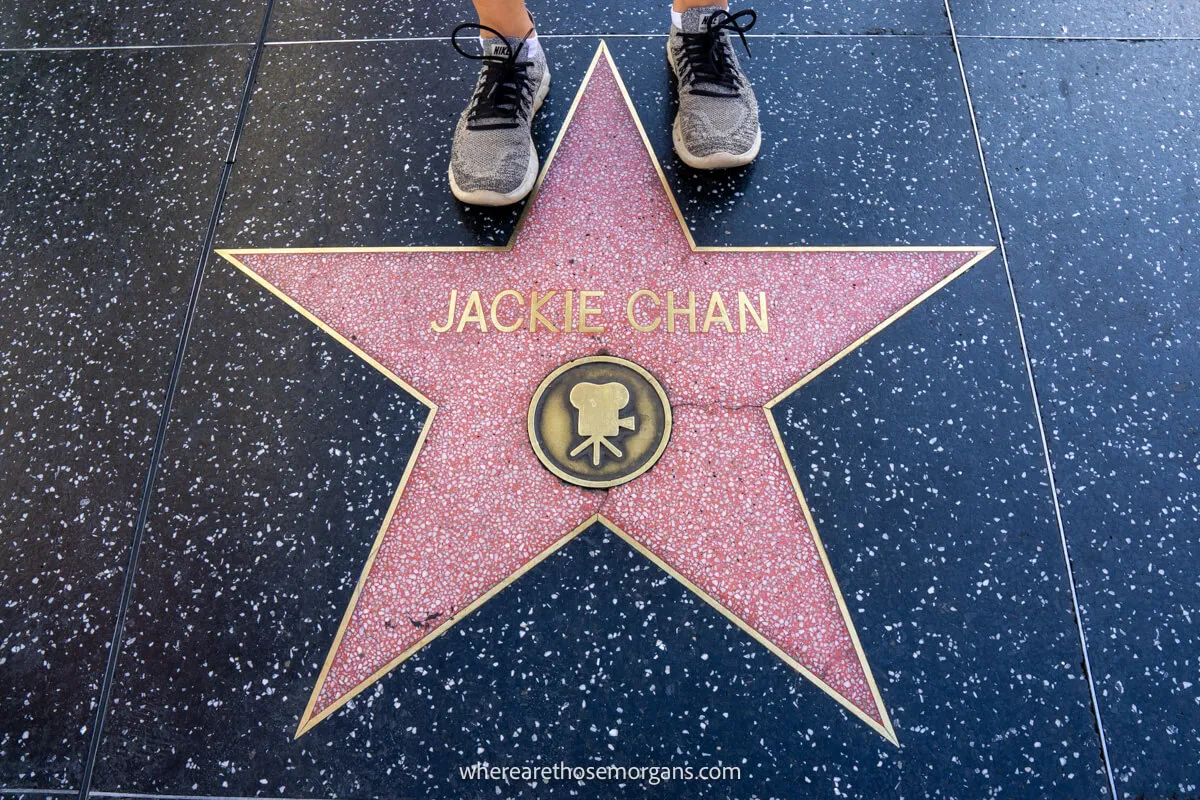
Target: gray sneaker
x,y
717,123
493,161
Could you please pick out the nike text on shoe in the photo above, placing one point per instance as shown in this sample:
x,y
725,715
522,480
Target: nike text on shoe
x,y
493,161
717,123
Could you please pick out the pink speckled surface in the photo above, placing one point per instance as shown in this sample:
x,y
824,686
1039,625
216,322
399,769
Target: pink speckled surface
x,y
719,507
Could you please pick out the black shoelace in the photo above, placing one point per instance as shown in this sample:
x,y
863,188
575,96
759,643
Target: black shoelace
x,y
499,101
707,56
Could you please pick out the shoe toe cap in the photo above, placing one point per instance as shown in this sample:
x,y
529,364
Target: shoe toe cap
x,y
734,130
489,161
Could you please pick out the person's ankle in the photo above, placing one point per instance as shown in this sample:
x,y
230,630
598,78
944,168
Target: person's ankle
x,y
684,5
510,26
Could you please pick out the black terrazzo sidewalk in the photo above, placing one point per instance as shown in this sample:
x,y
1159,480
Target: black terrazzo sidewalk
x,y
924,454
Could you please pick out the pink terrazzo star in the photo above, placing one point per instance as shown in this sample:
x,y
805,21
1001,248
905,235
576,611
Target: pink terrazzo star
x,y
721,511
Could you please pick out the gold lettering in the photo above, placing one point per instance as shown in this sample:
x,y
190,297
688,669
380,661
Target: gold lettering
x,y
535,312
673,311
633,298
760,318
473,312
715,303
512,326
586,311
449,314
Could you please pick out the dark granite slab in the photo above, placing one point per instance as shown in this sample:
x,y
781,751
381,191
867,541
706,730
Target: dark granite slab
x,y
110,169
50,23
1094,160
1068,18
347,145
865,142
306,20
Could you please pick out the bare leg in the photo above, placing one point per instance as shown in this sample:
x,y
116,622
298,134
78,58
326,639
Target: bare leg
x,y
509,17
684,5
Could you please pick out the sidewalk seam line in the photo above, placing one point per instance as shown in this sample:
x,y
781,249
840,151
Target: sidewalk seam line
x,y
1037,408
147,494
75,48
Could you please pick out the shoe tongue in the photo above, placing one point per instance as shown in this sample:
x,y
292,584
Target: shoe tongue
x,y
695,20
495,46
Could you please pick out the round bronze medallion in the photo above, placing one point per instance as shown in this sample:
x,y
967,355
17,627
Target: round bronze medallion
x,y
599,421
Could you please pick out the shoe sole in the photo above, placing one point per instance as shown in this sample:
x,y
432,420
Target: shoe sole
x,y
717,160
485,197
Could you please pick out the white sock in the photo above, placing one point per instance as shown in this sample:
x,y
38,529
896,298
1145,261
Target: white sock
x,y
677,19
532,46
